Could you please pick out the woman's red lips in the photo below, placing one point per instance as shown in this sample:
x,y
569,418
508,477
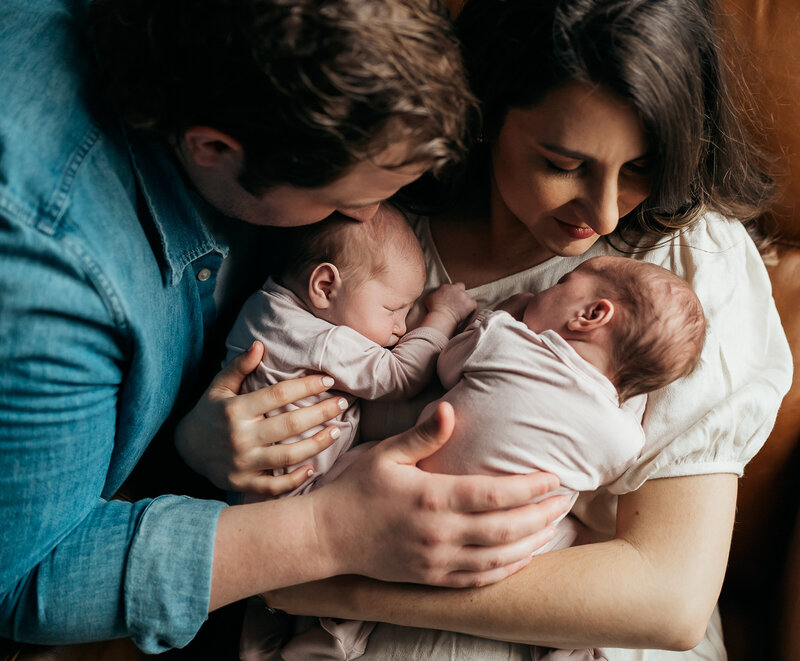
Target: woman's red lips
x,y
574,231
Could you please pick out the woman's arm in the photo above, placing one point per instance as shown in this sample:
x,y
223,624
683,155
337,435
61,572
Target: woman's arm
x,y
654,585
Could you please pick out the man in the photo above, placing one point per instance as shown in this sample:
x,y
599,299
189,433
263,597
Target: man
x,y
134,134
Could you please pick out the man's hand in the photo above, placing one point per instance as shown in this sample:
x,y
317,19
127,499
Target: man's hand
x,y
387,519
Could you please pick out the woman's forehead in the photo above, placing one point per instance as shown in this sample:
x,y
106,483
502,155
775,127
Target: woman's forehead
x,y
584,122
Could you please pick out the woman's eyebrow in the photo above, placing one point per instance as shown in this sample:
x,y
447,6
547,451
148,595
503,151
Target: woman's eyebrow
x,y
578,156
569,153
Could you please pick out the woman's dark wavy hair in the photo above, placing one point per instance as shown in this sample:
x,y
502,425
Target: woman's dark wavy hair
x,y
308,87
664,56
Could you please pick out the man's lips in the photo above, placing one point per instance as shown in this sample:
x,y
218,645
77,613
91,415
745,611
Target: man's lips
x,y
575,232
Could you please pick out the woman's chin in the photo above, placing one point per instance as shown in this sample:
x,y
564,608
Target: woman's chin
x,y
575,248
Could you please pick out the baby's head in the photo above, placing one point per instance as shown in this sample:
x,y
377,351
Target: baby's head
x,y
649,322
365,275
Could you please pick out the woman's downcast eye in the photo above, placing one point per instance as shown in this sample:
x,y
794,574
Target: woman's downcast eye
x,y
642,166
560,169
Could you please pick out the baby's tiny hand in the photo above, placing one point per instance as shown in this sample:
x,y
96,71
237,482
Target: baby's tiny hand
x,y
452,299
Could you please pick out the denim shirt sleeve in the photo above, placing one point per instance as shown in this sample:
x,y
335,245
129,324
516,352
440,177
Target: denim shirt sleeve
x,y
74,566
102,319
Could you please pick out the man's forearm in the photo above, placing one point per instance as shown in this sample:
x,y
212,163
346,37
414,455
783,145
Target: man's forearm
x,y
263,546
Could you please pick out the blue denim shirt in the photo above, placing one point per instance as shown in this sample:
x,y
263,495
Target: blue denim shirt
x,y
102,318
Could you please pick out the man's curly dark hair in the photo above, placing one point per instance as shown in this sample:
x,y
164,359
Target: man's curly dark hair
x,y
308,87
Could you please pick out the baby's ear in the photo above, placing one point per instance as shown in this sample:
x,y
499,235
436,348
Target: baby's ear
x,y
324,284
592,317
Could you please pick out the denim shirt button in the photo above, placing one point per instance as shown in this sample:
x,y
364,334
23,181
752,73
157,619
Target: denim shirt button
x,y
203,275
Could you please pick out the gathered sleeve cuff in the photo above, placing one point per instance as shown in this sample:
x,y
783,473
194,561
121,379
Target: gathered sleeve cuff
x,y
717,418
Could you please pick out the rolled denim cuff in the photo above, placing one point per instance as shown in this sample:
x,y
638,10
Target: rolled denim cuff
x,y
168,577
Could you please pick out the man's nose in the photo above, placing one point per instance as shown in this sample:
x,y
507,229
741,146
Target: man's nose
x,y
362,214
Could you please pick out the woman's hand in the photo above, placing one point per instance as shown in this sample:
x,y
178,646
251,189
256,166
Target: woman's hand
x,y
227,438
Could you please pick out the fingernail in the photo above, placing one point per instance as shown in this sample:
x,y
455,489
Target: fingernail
x,y
342,403
309,473
336,433
327,381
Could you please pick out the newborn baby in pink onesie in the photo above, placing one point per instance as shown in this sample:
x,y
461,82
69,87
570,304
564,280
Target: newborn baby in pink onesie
x,y
339,308
553,381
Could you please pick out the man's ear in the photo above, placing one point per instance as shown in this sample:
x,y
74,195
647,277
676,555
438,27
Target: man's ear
x,y
324,284
592,317
208,147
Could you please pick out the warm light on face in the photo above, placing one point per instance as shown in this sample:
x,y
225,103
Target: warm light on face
x,y
568,168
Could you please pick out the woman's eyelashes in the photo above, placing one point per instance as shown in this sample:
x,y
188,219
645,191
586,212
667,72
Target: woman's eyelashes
x,y
641,167
563,168
637,168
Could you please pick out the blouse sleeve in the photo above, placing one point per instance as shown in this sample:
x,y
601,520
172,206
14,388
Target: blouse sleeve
x,y
716,419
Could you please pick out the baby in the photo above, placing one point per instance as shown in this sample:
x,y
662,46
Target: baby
x,y
339,308
553,381
570,365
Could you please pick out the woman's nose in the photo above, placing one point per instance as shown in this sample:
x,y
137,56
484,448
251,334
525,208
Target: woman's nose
x,y
362,214
603,207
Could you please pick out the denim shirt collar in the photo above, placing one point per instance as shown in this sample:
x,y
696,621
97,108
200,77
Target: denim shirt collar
x,y
184,236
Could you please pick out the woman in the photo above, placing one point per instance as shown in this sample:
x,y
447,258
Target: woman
x,y
608,127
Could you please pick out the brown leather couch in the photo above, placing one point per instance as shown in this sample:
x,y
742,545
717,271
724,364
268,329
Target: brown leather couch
x,y
761,596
